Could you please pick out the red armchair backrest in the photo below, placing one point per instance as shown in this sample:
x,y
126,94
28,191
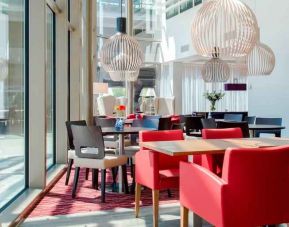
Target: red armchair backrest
x,y
258,179
226,133
215,162
164,161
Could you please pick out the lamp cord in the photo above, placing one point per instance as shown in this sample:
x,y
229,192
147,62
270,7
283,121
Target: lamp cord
x,y
120,8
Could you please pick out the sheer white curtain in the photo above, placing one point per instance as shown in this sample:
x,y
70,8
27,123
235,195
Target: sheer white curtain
x,y
166,81
193,89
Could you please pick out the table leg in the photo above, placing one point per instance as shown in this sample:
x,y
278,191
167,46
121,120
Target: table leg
x,y
121,152
197,220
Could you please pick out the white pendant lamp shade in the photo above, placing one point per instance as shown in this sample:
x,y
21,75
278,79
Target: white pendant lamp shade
x,y
226,25
121,56
216,70
3,69
261,61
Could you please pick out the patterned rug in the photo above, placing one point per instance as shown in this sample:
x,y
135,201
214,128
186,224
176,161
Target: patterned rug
x,y
58,201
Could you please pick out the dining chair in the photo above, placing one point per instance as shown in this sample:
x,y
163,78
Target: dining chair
x,y
268,121
90,153
250,119
131,150
71,148
193,126
242,125
214,162
233,117
155,170
110,141
209,123
165,123
247,194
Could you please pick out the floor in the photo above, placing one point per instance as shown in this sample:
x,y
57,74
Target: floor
x,y
169,217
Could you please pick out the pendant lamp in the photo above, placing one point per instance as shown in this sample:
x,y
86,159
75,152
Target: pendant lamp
x,y
261,60
216,70
121,56
228,25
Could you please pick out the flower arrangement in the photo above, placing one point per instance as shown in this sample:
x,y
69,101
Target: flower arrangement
x,y
120,111
213,97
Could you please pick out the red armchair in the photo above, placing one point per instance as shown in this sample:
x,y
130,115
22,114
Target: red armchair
x,y
155,170
215,162
252,191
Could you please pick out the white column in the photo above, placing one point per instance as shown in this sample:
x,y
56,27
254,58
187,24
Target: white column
x,y
75,59
61,81
37,105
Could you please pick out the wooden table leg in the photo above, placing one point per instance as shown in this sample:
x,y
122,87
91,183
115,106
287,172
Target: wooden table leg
x,y
184,217
121,152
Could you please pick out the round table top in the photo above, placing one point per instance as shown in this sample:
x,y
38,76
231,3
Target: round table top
x,y
126,130
265,127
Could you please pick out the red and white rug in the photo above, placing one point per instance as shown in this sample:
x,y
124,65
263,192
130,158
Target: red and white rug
x,y
58,200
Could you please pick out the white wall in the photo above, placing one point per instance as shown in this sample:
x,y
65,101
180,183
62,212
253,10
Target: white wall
x,y
268,96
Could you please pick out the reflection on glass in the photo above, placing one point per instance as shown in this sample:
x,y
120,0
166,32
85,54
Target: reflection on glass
x,y
12,142
49,88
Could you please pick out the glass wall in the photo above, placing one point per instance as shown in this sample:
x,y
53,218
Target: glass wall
x,y
12,100
50,80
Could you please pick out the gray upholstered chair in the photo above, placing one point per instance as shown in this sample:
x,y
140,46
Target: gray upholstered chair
x,y
90,153
71,151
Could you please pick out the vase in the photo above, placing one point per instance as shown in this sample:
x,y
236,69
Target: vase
x,y
119,124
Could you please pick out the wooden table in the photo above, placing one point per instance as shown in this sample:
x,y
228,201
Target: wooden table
x,y
256,127
121,134
210,146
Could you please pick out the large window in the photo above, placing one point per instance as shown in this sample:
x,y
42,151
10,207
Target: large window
x,y
12,100
147,29
50,87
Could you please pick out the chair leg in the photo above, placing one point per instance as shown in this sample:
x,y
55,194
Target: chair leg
x,y
95,178
86,173
103,179
170,195
155,208
70,163
114,175
124,179
184,216
137,199
132,187
76,176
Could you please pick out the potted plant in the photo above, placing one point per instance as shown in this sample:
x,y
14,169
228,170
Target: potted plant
x,y
213,97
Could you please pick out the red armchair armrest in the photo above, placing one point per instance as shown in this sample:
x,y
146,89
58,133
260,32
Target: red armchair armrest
x,y
146,168
201,191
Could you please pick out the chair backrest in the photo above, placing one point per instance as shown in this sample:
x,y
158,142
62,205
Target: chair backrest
x,y
164,161
233,117
268,121
69,131
209,123
243,125
258,181
152,117
193,123
146,123
106,105
226,133
165,123
250,119
105,122
88,141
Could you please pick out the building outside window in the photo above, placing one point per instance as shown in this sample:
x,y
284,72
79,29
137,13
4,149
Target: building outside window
x,y
12,100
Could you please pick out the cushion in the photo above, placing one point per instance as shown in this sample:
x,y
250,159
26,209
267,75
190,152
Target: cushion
x,y
108,161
